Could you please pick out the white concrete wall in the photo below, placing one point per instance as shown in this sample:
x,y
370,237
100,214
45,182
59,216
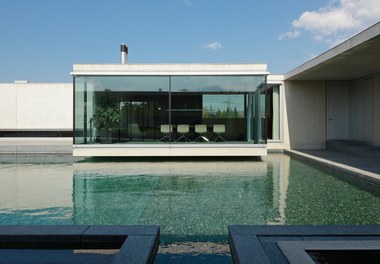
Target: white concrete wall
x,y
36,106
362,109
305,114
376,110
283,143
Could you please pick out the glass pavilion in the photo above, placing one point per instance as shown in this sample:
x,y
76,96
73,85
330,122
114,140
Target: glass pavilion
x,y
129,105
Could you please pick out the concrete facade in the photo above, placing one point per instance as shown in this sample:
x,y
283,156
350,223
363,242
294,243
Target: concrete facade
x,y
36,106
168,69
283,142
306,114
376,109
349,83
166,150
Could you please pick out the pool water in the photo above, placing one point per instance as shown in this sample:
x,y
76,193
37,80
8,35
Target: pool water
x,y
192,202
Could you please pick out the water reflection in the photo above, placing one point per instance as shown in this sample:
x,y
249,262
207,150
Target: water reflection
x,y
36,193
191,201
188,200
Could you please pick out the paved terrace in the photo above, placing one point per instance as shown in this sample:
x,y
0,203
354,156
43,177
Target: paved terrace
x,y
352,158
25,146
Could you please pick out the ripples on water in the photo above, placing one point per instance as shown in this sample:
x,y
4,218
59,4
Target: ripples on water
x,y
193,202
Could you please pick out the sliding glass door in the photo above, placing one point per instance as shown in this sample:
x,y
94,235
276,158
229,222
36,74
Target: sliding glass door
x,y
170,109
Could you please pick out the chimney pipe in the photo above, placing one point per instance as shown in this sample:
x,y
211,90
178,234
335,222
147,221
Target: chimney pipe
x,y
124,53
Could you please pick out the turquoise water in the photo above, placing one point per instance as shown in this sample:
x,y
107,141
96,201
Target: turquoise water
x,y
191,201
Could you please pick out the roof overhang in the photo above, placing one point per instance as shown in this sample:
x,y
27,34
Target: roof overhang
x,y
168,69
356,57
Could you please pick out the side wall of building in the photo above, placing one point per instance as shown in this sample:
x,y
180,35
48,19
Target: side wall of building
x,y
376,110
283,142
36,106
353,109
305,114
361,112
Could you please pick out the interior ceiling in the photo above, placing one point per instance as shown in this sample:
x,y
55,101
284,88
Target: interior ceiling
x,y
359,61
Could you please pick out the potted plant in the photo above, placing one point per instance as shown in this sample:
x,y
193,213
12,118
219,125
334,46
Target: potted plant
x,y
105,118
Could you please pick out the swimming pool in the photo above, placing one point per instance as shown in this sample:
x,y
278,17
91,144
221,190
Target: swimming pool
x,y
191,201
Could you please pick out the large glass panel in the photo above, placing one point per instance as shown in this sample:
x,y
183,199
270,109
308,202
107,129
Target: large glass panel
x,y
169,109
124,109
260,112
224,104
83,102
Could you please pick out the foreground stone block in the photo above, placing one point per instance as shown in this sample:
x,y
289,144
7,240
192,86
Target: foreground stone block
x,y
112,244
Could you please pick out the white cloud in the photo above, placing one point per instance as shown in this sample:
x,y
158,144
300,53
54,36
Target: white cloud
x,y
326,22
337,21
212,45
290,34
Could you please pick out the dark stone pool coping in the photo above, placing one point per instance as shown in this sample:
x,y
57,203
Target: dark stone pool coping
x,y
263,244
138,244
361,174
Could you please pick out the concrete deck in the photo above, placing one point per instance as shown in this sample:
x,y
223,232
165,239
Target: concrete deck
x,y
265,244
26,146
365,168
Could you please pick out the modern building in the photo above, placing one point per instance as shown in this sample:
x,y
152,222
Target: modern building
x,y
336,96
170,110
205,109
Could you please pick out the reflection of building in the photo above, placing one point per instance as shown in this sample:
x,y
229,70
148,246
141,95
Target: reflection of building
x,y
333,96
163,193
29,193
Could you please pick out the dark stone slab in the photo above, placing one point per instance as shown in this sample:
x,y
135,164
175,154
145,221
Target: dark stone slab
x,y
361,237
138,249
136,244
247,249
269,245
304,230
323,238
44,236
52,256
296,252
260,243
114,236
42,229
120,230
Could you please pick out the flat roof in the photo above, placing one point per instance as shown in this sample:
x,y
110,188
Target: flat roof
x,y
169,69
356,57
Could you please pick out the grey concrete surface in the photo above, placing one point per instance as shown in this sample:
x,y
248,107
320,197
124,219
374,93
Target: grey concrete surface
x,y
25,146
365,168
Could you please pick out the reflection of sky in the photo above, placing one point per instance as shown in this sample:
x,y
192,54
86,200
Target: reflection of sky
x,y
179,83
221,102
216,83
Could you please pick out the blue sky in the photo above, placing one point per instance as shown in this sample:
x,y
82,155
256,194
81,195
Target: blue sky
x,y
40,40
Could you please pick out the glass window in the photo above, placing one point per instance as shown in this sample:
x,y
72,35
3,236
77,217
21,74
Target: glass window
x,y
175,109
223,103
123,108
